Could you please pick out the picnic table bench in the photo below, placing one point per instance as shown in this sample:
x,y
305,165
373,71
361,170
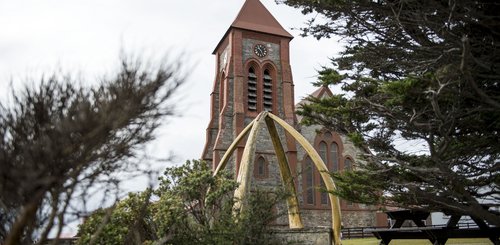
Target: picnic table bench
x,y
437,235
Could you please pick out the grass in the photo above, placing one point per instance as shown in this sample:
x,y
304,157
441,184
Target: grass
x,y
374,241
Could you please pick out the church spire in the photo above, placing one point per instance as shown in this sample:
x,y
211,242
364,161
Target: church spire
x,y
255,17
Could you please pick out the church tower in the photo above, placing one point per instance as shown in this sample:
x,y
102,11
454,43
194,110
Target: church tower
x,y
253,74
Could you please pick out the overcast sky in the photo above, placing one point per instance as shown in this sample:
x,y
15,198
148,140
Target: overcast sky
x,y
86,36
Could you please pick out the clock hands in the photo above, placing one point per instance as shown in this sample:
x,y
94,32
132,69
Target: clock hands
x,y
260,50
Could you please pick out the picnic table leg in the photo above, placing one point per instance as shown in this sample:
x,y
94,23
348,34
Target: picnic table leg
x,y
439,236
398,223
418,222
483,226
384,239
432,237
429,234
440,241
453,221
495,240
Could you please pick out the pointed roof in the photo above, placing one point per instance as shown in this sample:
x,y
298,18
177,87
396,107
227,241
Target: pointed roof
x,y
254,16
321,92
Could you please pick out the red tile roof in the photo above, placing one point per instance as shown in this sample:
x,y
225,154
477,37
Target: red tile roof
x,y
255,17
321,92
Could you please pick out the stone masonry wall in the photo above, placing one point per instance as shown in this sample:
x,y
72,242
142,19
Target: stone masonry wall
x,y
307,236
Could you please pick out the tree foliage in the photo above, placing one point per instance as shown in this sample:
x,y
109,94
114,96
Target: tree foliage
x,y
59,140
125,222
421,82
190,206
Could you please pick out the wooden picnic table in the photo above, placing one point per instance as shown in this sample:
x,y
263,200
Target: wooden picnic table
x,y
437,235
400,216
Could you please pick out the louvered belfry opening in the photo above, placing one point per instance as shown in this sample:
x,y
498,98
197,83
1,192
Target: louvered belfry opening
x,y
252,90
268,91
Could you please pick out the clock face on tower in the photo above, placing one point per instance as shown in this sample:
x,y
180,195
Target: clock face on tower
x,y
260,50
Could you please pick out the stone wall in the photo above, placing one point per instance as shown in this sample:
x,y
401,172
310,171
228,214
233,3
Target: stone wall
x,y
306,236
359,218
316,217
354,218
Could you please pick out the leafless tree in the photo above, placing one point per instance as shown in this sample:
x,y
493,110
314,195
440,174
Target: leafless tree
x,y
61,141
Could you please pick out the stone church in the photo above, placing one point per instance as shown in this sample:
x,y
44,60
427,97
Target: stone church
x,y
253,74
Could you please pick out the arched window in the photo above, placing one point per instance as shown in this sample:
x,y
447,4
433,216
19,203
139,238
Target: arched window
x,y
324,194
323,153
329,147
348,164
322,147
267,91
334,156
260,94
260,168
309,191
252,90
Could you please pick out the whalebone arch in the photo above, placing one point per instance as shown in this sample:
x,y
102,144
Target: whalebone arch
x,y
248,157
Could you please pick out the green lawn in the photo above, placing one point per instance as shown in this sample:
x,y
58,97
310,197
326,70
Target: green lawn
x,y
373,241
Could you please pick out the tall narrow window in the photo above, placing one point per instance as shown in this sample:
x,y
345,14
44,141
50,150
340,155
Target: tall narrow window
x,y
309,181
348,164
252,90
324,194
329,147
221,92
261,167
334,156
323,153
267,91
